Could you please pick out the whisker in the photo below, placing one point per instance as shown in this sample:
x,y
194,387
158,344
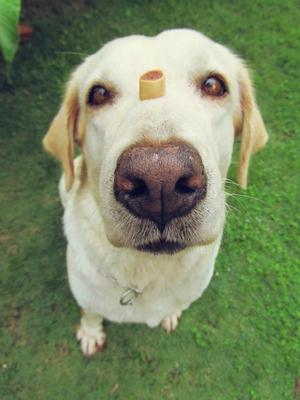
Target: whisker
x,y
231,182
72,53
230,207
238,195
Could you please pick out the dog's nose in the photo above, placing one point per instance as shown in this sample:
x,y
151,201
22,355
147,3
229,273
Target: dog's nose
x,y
160,182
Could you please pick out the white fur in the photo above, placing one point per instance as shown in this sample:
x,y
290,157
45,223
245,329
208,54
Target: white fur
x,y
102,262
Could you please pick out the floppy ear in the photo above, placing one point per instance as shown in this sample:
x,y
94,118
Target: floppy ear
x,y
250,126
66,128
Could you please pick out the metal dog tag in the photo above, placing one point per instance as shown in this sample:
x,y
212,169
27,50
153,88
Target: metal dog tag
x,y
128,297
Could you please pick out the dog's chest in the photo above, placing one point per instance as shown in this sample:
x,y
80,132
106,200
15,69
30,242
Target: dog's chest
x,y
102,277
157,286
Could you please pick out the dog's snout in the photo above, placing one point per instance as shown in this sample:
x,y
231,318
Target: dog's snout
x,y
160,182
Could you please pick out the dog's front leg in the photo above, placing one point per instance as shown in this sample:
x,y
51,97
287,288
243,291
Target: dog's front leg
x,y
91,333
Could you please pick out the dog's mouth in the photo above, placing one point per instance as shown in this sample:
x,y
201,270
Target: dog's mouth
x,y
162,246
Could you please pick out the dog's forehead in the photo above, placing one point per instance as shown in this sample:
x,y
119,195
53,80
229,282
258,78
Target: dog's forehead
x,y
179,51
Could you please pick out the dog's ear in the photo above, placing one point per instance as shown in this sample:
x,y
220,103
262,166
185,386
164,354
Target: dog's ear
x,y
66,128
249,124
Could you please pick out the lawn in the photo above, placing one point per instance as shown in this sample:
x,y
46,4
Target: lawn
x,y
241,340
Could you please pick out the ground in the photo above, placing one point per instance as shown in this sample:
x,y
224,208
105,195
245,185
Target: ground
x,y
241,340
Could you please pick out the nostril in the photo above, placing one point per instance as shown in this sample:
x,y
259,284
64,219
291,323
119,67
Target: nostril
x,y
139,188
188,185
131,186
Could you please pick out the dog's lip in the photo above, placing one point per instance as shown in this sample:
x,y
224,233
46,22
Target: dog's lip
x,y
162,246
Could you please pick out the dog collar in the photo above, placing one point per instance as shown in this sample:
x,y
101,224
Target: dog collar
x,y
129,295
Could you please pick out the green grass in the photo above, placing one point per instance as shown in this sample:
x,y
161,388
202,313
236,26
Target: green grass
x,y
241,340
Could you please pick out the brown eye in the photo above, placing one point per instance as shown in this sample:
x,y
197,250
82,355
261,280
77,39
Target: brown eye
x,y
98,95
214,86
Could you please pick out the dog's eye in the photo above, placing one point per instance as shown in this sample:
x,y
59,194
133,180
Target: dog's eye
x,y
214,86
98,96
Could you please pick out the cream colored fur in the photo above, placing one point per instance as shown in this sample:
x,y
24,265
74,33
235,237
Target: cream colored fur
x,y
102,236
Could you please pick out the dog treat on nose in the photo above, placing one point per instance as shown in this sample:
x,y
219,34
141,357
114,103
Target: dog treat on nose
x,y
152,85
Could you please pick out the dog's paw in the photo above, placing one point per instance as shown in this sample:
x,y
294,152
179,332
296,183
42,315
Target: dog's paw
x,y
91,338
170,323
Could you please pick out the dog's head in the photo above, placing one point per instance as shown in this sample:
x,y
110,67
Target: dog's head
x,y
157,164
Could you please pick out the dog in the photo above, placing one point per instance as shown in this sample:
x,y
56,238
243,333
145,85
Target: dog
x,y
155,119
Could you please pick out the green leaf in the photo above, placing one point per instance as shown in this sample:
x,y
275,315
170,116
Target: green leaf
x,y
9,21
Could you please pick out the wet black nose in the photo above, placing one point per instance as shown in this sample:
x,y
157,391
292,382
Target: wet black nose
x,y
160,182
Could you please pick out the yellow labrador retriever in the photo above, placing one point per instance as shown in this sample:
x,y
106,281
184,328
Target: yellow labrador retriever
x,y
145,202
